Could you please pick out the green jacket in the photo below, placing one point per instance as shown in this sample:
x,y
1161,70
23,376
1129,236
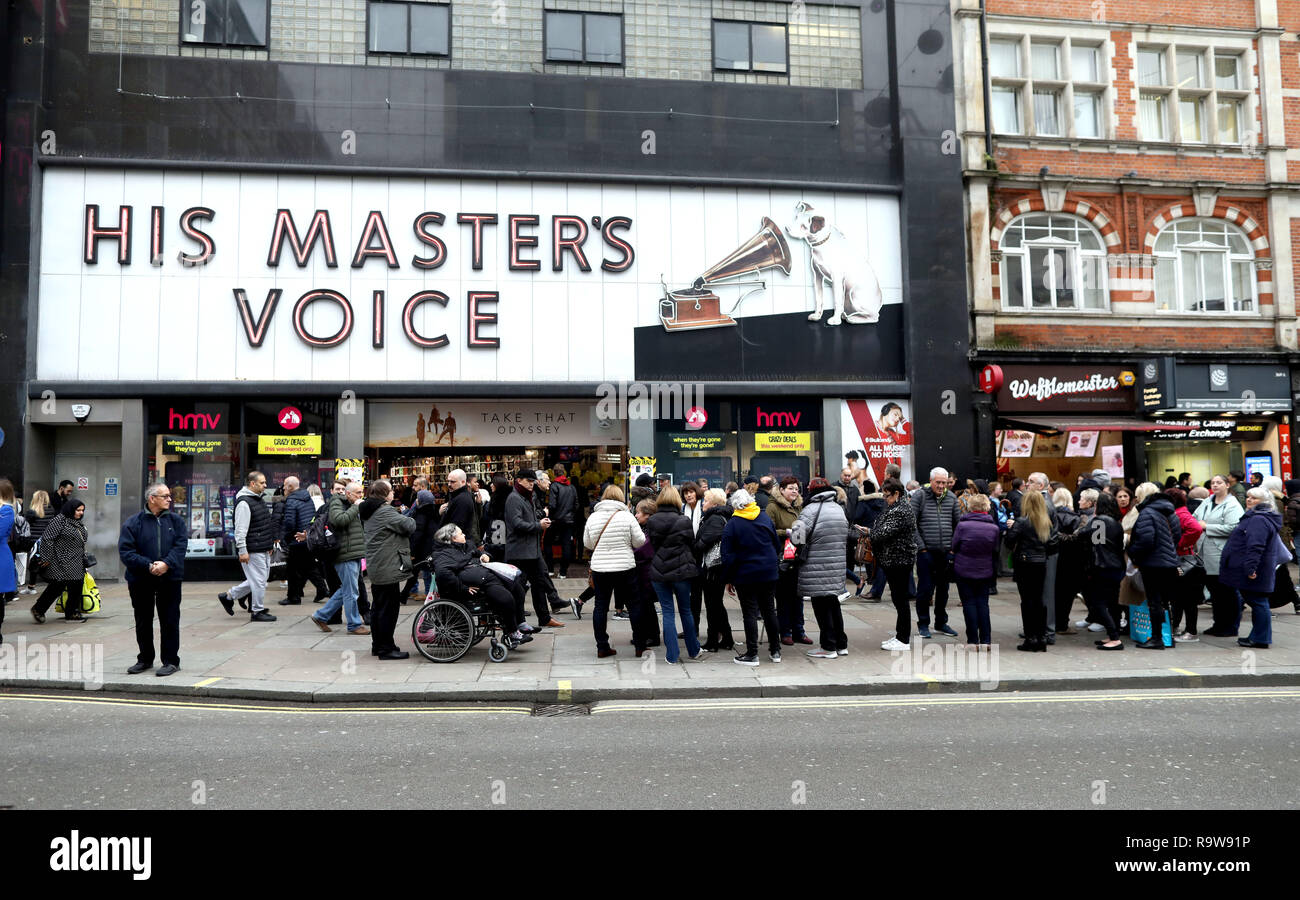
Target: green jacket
x,y
388,542
783,513
345,519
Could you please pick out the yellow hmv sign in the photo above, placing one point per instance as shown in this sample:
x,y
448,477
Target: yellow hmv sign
x,y
272,444
783,440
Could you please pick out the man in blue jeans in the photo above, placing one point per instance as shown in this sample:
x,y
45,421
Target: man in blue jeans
x,y
345,521
936,511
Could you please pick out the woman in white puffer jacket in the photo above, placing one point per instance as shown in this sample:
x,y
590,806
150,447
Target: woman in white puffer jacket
x,y
611,534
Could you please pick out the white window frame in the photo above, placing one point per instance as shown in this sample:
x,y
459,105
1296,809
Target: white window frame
x,y
1174,257
1020,256
1209,95
1064,85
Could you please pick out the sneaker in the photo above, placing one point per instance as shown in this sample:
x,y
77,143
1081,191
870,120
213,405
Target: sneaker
x,y
775,657
699,657
576,606
894,644
621,614
227,603
823,654
1186,638
924,632
945,629
746,659
843,652
843,598
261,616
1093,626
1082,624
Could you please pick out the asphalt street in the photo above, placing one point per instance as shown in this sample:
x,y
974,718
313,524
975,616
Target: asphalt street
x,y
1184,749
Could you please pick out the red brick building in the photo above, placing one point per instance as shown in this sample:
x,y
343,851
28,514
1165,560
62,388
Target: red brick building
x,y
1131,198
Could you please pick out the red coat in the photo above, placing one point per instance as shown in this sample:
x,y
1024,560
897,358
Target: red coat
x,y
1192,531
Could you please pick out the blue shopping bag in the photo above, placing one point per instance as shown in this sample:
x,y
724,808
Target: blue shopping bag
x,y
1139,625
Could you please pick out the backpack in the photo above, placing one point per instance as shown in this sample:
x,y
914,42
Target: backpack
x,y
20,536
322,542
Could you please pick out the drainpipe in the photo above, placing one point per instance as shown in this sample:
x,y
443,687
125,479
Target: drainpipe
x,y
984,65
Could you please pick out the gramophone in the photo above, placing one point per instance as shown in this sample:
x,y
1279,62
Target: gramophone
x,y
698,307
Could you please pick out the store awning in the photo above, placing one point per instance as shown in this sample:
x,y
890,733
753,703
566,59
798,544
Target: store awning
x,y
1089,423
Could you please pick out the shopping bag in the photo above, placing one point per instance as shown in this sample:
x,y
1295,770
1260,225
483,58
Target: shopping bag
x,y
89,597
1139,624
1130,591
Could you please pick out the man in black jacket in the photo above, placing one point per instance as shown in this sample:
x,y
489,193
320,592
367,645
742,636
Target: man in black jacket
x,y
298,511
563,506
936,512
152,548
523,540
459,508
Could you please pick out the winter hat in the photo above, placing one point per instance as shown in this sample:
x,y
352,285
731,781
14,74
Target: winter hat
x,y
644,480
526,473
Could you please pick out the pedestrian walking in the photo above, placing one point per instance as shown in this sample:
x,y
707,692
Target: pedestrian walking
x,y
388,563
612,534
344,512
708,550
302,567
894,540
749,565
936,512
63,561
672,571
974,548
1219,514
783,508
1153,548
1250,558
823,528
254,539
39,514
152,548
523,539
1028,540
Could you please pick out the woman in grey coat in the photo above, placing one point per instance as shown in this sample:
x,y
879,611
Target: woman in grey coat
x,y
823,526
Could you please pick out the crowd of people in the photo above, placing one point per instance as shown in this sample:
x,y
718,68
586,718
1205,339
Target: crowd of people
x,y
664,557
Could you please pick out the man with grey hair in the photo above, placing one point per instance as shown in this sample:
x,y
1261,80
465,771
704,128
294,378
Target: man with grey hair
x,y
936,511
299,510
152,548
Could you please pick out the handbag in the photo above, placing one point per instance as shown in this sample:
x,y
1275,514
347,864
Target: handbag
x,y
20,536
864,554
89,596
88,561
713,556
591,581
793,556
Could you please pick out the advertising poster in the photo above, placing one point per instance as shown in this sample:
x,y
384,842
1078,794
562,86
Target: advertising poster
x,y
1082,443
876,433
1050,445
1017,444
1112,460
214,521
197,522
200,495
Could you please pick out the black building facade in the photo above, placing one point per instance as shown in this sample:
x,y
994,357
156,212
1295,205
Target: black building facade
x,y
595,231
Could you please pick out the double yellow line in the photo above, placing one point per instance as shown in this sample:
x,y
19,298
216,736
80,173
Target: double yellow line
x,y
934,700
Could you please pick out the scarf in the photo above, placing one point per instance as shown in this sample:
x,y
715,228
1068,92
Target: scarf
x,y
523,491
563,479
749,512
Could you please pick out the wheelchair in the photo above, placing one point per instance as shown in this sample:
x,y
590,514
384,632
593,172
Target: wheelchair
x,y
445,629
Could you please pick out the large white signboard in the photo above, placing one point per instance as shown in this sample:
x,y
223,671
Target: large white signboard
x,y
199,276
456,423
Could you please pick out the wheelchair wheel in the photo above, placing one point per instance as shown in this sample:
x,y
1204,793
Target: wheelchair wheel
x,y
498,651
442,631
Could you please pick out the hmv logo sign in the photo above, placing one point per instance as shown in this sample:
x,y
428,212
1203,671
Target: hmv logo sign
x,y
191,421
776,419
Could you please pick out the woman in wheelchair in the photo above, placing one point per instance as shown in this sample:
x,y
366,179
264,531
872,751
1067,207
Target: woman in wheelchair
x,y
460,575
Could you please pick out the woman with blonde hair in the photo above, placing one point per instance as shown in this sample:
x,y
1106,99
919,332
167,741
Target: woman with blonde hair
x,y
39,514
1028,540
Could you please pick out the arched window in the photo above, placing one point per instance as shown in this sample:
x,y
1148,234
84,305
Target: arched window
x,y
1204,265
1053,261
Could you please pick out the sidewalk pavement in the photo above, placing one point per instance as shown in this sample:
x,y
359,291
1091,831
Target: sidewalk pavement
x,y
292,660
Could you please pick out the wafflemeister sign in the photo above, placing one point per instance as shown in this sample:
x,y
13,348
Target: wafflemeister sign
x,y
206,276
1081,389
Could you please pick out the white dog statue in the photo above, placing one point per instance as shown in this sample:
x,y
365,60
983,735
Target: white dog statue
x,y
855,290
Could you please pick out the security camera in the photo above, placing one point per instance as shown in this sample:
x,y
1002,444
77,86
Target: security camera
x,y
81,412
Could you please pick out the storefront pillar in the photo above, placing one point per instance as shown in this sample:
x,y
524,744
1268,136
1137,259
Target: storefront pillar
x,y
352,428
133,454
641,437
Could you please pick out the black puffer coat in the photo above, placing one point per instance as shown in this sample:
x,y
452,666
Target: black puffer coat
x,y
674,541
1154,541
712,523
456,568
